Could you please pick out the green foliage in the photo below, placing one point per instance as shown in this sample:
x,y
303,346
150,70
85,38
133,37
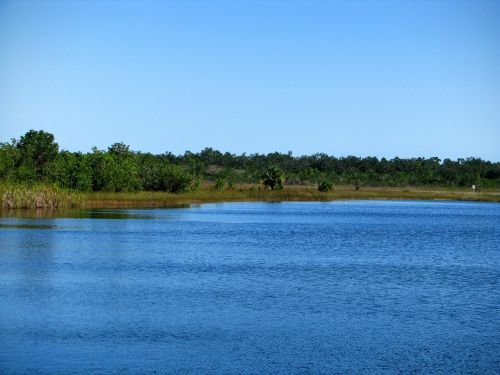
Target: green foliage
x,y
309,175
158,174
151,172
177,180
120,150
273,178
72,171
9,159
35,158
325,186
195,184
113,171
38,150
219,184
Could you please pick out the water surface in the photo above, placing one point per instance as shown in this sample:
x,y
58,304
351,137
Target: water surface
x,y
342,287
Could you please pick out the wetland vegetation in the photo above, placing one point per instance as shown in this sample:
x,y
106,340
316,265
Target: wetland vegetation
x,y
35,173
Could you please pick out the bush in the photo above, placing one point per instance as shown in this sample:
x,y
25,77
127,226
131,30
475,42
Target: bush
x,y
176,180
114,172
72,171
325,186
219,184
273,179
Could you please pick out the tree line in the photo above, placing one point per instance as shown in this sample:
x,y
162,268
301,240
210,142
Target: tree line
x,y
35,157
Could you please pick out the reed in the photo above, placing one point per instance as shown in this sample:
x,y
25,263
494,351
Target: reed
x,y
248,193
52,197
15,196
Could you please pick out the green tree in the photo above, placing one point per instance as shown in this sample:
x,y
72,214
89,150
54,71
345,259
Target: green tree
x,y
176,180
114,171
72,170
38,150
120,150
273,178
150,167
9,158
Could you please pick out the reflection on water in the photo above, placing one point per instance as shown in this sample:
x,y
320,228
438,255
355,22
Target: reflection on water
x,y
27,226
345,287
77,214
110,214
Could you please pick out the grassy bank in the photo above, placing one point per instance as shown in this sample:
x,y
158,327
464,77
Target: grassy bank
x,y
290,193
40,196
37,197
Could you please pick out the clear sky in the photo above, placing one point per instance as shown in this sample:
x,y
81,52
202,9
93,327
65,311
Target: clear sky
x,y
379,78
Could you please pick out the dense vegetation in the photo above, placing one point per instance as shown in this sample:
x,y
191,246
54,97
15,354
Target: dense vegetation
x,y
36,158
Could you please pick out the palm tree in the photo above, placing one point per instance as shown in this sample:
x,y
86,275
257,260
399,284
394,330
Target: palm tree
x,y
273,178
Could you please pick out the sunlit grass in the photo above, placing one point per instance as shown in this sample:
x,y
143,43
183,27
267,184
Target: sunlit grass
x,y
37,196
51,197
289,193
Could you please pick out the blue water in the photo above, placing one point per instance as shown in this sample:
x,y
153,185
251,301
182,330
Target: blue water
x,y
251,288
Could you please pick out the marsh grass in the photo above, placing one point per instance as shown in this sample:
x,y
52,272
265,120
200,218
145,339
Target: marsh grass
x,y
249,193
37,196
52,197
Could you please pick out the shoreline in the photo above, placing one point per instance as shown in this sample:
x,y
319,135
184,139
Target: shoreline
x,y
289,194
44,198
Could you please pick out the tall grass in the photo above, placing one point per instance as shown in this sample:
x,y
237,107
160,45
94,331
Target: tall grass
x,y
14,196
49,196
289,193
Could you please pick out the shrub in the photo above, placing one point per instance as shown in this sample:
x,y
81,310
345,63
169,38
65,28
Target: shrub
x,y
325,186
176,180
273,179
219,184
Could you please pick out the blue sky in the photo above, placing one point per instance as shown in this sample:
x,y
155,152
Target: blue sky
x,y
379,78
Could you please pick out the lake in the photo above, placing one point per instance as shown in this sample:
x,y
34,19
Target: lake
x,y
250,288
